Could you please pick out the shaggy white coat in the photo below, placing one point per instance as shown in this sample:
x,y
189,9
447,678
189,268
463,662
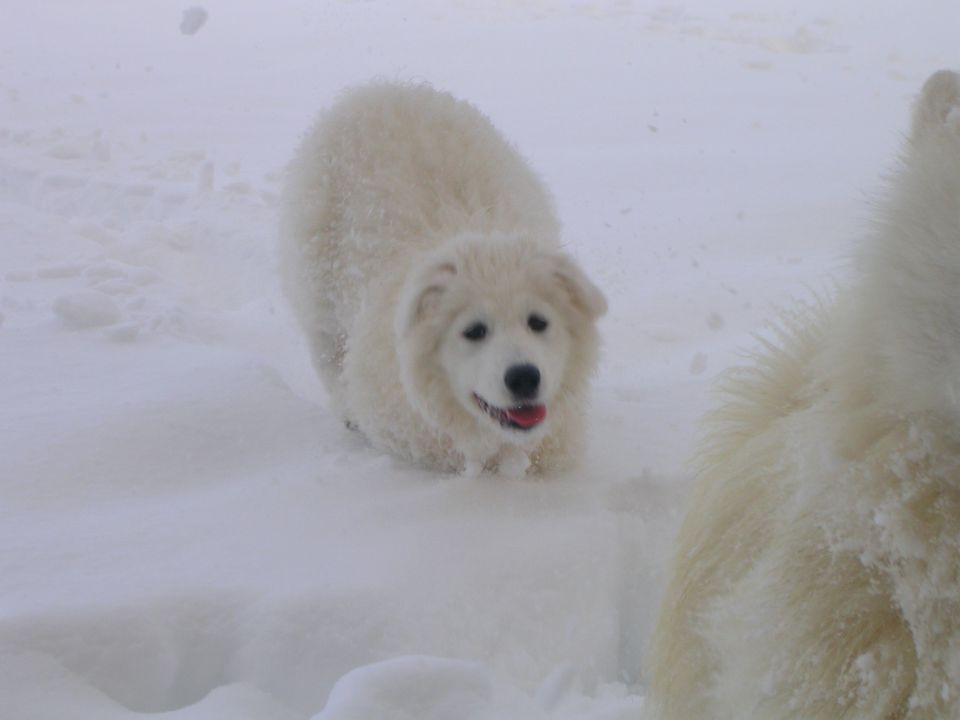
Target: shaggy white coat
x,y
407,216
818,568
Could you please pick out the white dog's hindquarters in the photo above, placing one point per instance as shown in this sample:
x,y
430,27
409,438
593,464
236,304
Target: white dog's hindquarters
x,y
421,256
817,573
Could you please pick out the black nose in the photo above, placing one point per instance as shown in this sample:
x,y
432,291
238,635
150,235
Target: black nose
x,y
523,380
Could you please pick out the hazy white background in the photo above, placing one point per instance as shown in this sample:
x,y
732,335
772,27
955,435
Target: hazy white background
x,y
185,529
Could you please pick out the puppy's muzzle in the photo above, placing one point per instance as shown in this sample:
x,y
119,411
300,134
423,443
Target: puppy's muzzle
x,y
523,381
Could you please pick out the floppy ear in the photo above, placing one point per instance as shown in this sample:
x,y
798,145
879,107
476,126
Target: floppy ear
x,y
422,291
582,293
939,99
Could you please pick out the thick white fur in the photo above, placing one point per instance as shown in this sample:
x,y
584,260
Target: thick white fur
x,y
407,217
818,568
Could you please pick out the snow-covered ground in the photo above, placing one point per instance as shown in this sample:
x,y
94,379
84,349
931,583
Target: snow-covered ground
x,y
186,530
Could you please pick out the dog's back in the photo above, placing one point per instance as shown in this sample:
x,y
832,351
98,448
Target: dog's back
x,y
389,171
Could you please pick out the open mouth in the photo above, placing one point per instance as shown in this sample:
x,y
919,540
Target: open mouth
x,y
519,417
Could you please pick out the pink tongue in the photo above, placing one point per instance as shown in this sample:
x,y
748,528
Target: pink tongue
x,y
527,416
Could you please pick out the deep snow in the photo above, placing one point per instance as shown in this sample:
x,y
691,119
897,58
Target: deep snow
x,y
185,530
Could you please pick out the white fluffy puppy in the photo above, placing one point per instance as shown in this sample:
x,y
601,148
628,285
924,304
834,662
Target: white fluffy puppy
x,y
818,569
421,256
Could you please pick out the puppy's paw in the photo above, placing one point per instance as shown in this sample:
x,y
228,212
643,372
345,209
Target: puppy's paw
x,y
472,467
938,109
513,462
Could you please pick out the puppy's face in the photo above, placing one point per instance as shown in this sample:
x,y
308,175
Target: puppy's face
x,y
505,358
500,322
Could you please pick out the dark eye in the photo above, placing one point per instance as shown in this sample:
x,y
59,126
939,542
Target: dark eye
x,y
476,332
537,323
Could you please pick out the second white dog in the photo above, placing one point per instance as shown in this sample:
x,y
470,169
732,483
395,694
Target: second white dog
x,y
818,569
421,256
